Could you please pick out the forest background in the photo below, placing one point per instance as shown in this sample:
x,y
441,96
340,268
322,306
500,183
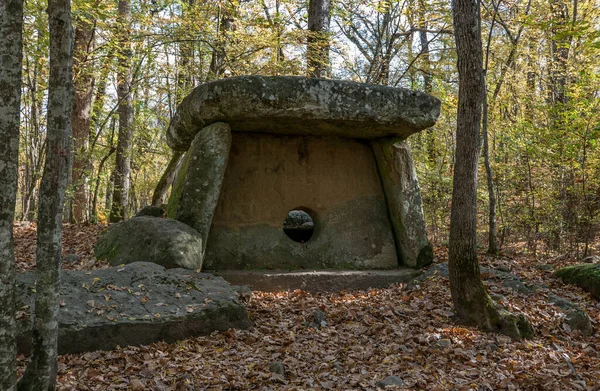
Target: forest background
x,y
135,60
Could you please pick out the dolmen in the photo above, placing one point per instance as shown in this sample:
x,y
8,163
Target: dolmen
x,y
301,173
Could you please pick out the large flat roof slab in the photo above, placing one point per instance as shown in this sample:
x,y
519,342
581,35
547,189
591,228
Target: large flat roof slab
x,y
315,281
302,106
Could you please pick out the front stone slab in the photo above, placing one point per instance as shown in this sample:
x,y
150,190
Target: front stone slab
x,y
403,197
335,180
137,304
302,106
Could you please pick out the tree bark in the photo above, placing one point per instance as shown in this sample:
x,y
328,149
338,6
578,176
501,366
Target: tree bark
x,y
81,118
11,39
424,41
166,180
42,370
317,50
471,301
120,199
492,230
226,19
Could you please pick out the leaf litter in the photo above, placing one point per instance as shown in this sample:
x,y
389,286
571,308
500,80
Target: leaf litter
x,y
366,337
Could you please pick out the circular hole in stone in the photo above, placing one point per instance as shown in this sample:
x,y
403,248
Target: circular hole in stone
x,y
298,226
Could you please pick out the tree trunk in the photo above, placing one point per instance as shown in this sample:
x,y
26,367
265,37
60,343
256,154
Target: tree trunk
x,y
317,50
120,199
166,180
82,106
471,301
424,41
492,230
41,372
11,39
217,62
186,58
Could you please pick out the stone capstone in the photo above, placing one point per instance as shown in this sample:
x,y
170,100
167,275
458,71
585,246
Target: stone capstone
x,y
302,106
135,304
165,242
403,196
198,185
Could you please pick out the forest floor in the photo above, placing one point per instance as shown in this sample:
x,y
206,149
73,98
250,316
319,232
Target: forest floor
x,y
368,336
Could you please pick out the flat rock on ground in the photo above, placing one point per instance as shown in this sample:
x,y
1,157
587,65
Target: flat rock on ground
x,y
132,305
575,317
314,281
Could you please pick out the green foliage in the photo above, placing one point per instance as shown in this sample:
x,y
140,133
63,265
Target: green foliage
x,y
544,130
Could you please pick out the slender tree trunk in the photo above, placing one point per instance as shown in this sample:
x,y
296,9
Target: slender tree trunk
x,y
11,42
317,50
471,301
41,372
82,106
120,199
492,230
166,180
424,41
186,58
217,62
94,201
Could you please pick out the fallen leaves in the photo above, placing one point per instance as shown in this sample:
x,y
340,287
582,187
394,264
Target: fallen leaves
x,y
363,338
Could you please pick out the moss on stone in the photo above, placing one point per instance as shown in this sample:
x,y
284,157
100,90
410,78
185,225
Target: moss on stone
x,y
178,187
586,276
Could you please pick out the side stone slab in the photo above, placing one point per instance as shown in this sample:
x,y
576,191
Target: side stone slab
x,y
198,185
137,304
302,106
403,197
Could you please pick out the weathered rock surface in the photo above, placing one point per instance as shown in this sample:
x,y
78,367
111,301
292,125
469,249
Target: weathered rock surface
x,y
316,281
390,382
586,276
166,242
302,106
198,186
575,317
335,180
403,196
152,211
133,305
508,280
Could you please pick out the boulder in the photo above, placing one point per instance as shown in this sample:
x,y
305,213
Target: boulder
x,y
302,106
166,242
390,382
575,317
591,259
586,276
152,211
198,185
403,196
136,304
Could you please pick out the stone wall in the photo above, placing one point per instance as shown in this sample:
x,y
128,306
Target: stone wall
x,y
335,180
